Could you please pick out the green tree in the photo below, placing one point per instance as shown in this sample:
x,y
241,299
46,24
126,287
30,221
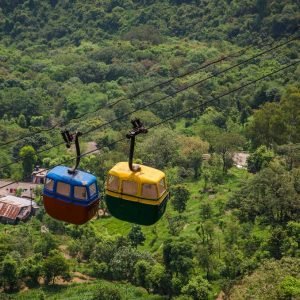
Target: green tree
x,y
289,288
233,263
106,292
277,123
36,121
275,242
136,236
271,195
177,257
290,245
192,150
261,6
45,244
123,262
164,141
99,270
198,288
29,158
31,269
141,272
206,210
22,121
180,195
55,265
259,159
224,144
291,153
290,112
159,280
9,273
212,172
175,224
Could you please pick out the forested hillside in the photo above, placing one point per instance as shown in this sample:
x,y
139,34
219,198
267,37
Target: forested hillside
x,y
210,79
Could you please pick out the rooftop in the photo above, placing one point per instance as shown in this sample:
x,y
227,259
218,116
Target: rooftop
x,y
80,178
146,174
13,208
26,187
17,201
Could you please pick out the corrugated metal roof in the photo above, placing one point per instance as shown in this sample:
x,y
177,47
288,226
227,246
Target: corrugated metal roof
x,y
12,207
9,211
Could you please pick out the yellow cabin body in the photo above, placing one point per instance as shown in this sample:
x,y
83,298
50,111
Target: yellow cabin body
x,y
137,197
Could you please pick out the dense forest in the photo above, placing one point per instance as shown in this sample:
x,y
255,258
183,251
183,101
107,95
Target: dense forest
x,y
209,79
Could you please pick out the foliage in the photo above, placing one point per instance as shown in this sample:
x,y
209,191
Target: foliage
x,y
55,265
271,194
225,144
289,288
275,275
45,244
136,236
177,257
9,273
192,150
180,196
85,57
123,262
277,123
107,293
29,158
31,269
197,288
259,159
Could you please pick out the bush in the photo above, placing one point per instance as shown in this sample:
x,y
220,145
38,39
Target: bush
x,y
105,292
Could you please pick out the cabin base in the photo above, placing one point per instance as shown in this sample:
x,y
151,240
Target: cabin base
x,y
67,212
135,212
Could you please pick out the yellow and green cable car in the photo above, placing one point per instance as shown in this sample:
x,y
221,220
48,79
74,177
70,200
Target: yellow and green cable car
x,y
136,193
136,196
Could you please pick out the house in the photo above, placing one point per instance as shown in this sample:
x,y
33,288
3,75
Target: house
x,y
38,175
14,209
240,159
23,189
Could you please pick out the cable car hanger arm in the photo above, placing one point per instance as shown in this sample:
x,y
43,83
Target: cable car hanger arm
x,y
138,128
69,138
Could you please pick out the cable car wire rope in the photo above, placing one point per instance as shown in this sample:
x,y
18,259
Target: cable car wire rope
x,y
130,97
162,98
286,66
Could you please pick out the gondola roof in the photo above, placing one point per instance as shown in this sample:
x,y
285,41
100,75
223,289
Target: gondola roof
x,y
80,178
145,175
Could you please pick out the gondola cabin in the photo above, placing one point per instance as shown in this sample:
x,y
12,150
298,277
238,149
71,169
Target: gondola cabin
x,y
138,197
73,198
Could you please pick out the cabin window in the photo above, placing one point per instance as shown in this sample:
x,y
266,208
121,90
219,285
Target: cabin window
x,y
80,192
113,183
161,187
63,189
49,184
93,189
129,187
149,191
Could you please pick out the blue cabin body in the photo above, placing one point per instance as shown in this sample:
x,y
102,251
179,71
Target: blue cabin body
x,y
73,198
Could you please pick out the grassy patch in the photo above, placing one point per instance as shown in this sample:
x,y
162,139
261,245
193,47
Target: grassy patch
x,y
80,291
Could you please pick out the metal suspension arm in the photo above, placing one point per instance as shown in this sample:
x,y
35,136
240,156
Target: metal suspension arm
x,y
138,128
69,138
78,154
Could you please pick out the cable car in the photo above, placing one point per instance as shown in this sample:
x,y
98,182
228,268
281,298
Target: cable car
x,y
136,193
71,195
